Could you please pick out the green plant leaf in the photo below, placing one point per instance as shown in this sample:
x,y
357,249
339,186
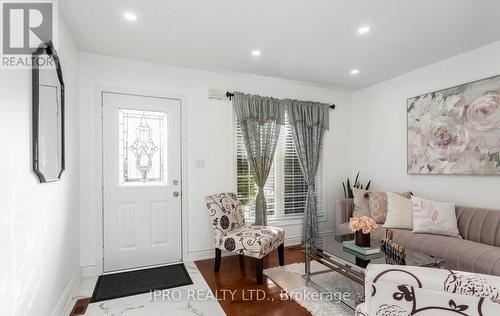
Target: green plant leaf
x,y
368,185
349,189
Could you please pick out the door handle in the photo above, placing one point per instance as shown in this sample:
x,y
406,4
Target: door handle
x,y
176,194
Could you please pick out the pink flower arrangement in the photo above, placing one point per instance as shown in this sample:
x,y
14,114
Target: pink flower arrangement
x,y
364,224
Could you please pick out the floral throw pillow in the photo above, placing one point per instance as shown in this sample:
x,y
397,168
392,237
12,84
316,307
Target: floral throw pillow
x,y
433,217
378,205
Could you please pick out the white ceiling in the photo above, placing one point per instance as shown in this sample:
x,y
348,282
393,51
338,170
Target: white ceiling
x,y
305,40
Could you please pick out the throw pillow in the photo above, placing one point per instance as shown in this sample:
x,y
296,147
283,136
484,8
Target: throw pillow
x,y
378,205
361,203
399,212
433,217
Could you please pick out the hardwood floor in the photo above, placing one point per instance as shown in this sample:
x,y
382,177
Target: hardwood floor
x,y
237,274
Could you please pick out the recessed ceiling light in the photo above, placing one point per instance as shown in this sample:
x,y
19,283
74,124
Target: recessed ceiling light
x,y
363,30
256,52
354,71
129,16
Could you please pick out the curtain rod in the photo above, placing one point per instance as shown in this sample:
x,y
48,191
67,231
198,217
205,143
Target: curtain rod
x,y
230,95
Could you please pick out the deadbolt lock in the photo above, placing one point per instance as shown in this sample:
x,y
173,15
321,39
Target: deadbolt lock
x,y
176,194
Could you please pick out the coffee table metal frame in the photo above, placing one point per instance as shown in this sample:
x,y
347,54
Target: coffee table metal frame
x,y
335,264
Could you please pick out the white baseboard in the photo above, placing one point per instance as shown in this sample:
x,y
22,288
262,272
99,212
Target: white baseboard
x,y
88,271
205,254
293,241
195,255
210,253
63,307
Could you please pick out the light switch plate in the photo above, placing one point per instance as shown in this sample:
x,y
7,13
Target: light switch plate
x,y
200,163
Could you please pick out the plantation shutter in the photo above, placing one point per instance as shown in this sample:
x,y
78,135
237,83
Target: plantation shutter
x,y
285,189
295,185
246,186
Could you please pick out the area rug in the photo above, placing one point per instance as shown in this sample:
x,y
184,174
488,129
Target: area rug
x,y
289,278
111,286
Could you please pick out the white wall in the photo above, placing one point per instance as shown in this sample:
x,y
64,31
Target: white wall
x,y
209,137
39,223
379,130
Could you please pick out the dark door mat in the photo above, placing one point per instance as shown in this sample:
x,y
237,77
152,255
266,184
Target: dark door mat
x,y
122,284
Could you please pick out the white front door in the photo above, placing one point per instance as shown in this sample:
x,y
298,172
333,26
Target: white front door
x,y
142,181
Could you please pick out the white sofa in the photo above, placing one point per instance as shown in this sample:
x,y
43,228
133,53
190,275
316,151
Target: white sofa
x,y
405,290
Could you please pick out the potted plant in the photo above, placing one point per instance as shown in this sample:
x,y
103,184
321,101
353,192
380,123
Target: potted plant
x,y
357,184
362,227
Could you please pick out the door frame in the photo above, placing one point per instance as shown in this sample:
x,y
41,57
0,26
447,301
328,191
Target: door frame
x,y
100,89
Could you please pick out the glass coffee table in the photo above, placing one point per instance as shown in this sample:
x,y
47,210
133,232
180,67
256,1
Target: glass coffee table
x,y
349,265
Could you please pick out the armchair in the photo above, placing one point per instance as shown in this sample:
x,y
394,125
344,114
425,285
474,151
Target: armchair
x,y
232,234
407,290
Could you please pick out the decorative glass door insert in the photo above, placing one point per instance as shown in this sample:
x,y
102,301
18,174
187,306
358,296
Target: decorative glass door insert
x,y
142,147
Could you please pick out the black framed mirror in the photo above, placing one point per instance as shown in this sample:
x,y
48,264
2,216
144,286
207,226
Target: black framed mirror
x,y
47,114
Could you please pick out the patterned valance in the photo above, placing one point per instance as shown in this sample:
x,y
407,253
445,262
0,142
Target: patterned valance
x,y
250,107
263,109
312,113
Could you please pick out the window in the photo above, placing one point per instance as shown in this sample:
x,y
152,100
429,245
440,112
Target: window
x,y
285,189
247,189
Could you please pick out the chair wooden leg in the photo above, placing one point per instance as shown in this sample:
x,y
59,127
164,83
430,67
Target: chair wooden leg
x,y
259,265
217,259
281,254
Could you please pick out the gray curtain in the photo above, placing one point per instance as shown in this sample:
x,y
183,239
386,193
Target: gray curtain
x,y
308,122
260,121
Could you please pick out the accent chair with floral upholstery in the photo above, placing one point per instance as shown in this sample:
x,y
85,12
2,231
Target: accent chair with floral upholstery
x,y
232,234
407,290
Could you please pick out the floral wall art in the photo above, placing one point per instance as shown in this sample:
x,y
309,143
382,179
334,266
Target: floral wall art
x,y
456,130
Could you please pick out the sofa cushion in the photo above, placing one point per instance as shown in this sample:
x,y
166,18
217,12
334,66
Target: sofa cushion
x,y
475,224
480,225
378,205
459,254
399,212
361,203
431,217
479,251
